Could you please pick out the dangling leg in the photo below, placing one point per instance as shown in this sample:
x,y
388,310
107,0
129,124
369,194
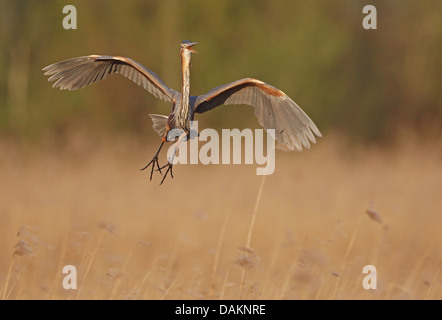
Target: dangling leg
x,y
154,161
169,164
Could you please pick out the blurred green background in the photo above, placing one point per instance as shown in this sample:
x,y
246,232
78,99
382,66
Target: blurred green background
x,y
365,84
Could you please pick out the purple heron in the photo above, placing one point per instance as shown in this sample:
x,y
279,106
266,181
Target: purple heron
x,y
273,108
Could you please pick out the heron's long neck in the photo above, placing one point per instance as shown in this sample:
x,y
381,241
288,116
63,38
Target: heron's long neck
x,y
182,112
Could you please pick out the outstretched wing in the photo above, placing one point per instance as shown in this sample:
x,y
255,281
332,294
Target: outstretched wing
x,y
80,72
273,108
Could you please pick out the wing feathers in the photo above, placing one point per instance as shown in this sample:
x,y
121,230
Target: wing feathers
x,y
159,123
273,109
80,72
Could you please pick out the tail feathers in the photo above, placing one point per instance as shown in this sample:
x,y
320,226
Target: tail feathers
x,y
159,123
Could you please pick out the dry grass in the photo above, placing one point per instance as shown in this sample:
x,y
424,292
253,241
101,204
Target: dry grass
x,y
208,234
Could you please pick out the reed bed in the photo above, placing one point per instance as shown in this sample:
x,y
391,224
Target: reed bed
x,y
220,231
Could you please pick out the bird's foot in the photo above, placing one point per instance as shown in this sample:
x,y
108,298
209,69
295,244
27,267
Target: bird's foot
x,y
153,162
169,169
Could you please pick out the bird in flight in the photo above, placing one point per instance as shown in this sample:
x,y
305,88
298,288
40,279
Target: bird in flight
x,y
272,107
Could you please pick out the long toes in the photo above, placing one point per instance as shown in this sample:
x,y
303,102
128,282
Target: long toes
x,y
151,173
158,166
169,169
162,180
150,162
144,168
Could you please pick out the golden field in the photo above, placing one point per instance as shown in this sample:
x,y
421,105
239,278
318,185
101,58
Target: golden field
x,y
220,231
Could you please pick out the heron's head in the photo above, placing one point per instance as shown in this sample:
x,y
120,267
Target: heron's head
x,y
186,47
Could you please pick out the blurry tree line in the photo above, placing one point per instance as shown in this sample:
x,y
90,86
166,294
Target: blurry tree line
x,y
366,84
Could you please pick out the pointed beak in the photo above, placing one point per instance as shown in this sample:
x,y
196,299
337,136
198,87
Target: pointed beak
x,y
191,49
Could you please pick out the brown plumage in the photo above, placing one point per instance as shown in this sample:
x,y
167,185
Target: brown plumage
x,y
273,108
